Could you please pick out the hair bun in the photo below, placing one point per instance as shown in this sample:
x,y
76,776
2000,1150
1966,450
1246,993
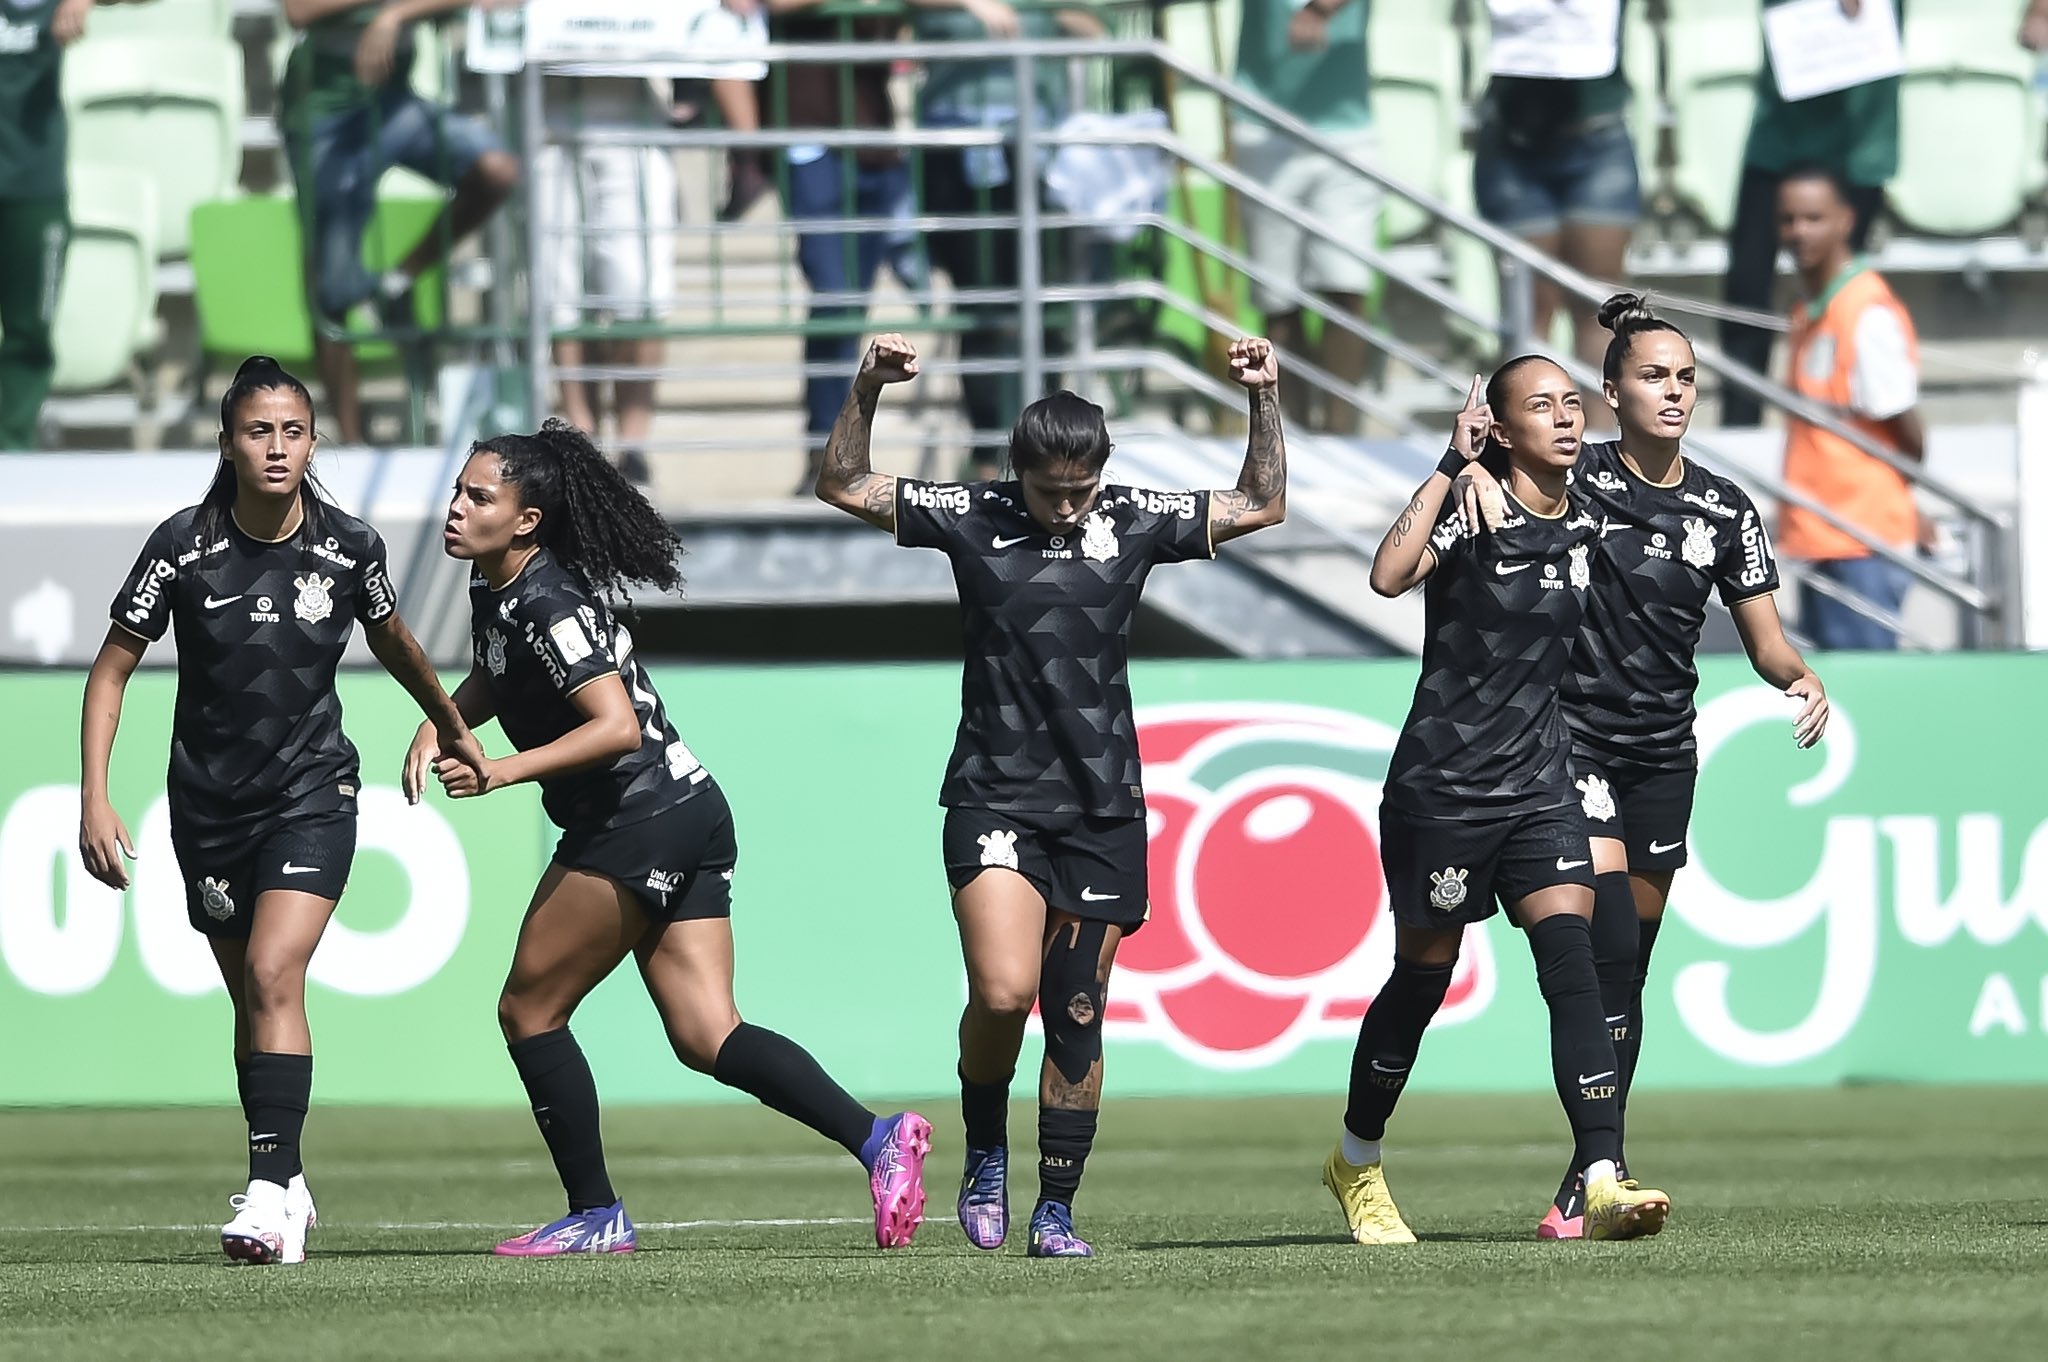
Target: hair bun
x,y
258,364
1625,309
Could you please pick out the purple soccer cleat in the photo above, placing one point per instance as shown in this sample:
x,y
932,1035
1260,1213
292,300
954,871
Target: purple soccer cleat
x,y
604,1229
1052,1234
896,1177
985,1197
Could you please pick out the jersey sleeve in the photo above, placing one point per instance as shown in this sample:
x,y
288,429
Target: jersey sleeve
x,y
930,515
1748,565
1175,525
375,600
143,606
1450,539
569,639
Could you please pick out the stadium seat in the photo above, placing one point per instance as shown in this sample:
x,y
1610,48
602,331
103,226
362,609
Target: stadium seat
x,y
169,110
1417,109
1967,88
1713,50
162,19
248,277
106,306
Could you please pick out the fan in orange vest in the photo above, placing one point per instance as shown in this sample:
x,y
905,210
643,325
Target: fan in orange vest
x,y
1853,350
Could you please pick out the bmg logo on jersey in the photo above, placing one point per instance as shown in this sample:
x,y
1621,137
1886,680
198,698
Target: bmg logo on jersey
x,y
149,591
1756,551
1180,505
934,497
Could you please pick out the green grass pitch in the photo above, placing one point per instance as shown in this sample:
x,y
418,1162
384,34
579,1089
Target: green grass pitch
x,y
1862,1224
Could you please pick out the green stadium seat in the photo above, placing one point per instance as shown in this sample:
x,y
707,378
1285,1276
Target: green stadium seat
x,y
106,305
1712,51
1417,110
1970,124
249,281
162,19
169,110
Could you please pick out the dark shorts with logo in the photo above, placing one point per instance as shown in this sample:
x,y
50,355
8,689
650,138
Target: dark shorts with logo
x,y
1091,867
1447,872
1648,810
678,863
305,853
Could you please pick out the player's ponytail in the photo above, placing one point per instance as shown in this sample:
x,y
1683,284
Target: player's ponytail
x,y
258,373
594,521
1628,315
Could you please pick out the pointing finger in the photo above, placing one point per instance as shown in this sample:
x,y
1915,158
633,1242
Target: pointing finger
x,y
1472,402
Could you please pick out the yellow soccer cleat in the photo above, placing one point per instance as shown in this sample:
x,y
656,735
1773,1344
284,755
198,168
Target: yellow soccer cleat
x,y
1617,1209
1361,1189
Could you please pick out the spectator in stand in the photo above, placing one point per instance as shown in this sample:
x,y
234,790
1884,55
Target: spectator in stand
x,y
35,217
1555,164
349,113
1310,60
979,181
1852,132
1853,350
612,253
836,182
738,108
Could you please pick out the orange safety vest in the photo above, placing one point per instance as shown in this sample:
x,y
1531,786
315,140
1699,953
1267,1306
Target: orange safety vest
x,y
1829,469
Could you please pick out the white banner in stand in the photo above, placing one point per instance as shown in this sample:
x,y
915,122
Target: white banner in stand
x,y
685,39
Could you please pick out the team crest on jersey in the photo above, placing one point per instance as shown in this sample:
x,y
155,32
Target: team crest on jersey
x,y
999,849
494,652
1447,888
1598,799
1098,537
1582,567
1698,548
213,897
314,603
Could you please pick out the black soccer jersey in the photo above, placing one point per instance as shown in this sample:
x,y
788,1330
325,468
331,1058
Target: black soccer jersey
x,y
1630,692
1486,735
538,641
260,627
1045,623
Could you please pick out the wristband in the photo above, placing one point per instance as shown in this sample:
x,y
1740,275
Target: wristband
x,y
1452,464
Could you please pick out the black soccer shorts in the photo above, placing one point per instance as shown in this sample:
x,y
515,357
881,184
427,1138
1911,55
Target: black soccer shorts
x,y
1448,872
1091,867
305,853
678,864
1648,810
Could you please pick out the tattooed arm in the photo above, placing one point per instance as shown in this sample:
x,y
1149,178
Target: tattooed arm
x,y
1405,558
1260,497
844,479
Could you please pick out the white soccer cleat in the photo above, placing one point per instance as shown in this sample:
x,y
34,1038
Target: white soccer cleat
x,y
299,1218
257,1234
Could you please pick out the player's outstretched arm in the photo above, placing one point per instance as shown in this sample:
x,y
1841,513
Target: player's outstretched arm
x,y
1260,497
394,647
846,479
102,837
1405,559
1778,662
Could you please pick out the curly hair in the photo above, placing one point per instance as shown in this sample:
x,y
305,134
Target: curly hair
x,y
591,518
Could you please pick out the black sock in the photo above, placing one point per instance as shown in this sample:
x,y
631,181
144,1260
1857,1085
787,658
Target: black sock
x,y
564,1097
1628,1052
279,1088
1581,1051
242,1085
1064,1139
783,1077
1388,1040
1614,963
985,1111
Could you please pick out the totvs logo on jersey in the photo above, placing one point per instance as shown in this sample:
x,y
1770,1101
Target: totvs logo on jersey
x,y
1269,921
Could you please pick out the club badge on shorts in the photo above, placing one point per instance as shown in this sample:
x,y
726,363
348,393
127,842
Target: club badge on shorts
x,y
1447,888
999,849
213,897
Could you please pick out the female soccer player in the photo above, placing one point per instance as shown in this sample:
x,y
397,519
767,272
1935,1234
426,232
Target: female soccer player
x,y
262,581
1670,533
645,863
1044,839
1478,807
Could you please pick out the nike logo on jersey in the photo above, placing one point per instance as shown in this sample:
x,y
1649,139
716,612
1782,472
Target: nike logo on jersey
x,y
291,869
1563,864
1090,896
1003,543
1659,848
1508,569
1594,1078
214,604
